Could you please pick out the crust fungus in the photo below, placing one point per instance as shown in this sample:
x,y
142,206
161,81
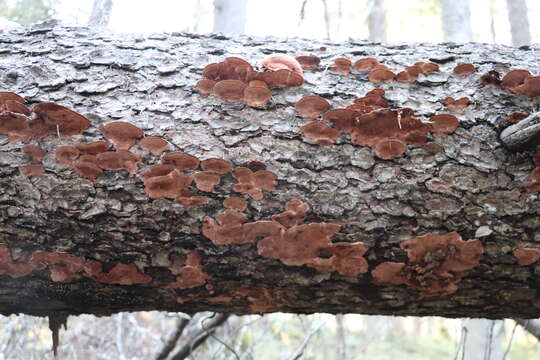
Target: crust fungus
x,y
294,214
227,229
365,64
32,170
124,274
216,165
155,170
277,62
526,256
281,78
119,160
192,274
311,106
60,119
253,183
309,62
230,90
514,78
427,67
14,106
232,68
121,134
389,273
464,69
406,77
452,103
10,96
319,132
258,83
530,87
191,200
256,96
235,203
205,87
154,145
87,170
66,155
444,124
345,259
343,65
381,75
35,152
93,148
15,126
167,186
206,181
181,160
341,119
390,148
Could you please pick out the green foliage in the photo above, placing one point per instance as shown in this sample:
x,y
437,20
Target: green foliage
x,y
28,11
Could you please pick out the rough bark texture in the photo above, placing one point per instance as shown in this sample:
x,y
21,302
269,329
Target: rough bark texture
x,y
475,182
518,15
456,20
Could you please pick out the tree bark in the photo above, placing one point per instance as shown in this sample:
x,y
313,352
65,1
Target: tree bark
x,y
518,15
456,20
474,186
230,16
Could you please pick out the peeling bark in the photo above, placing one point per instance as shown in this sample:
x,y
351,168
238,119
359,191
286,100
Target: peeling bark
x,y
475,186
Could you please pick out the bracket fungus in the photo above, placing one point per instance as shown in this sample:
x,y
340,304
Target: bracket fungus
x,y
309,62
526,256
277,62
93,148
121,134
464,69
124,274
452,103
154,145
119,160
206,181
235,203
87,170
230,90
444,124
320,133
205,87
60,119
181,161
312,106
294,214
389,149
365,64
192,274
66,155
253,183
343,65
433,262
35,153
256,96
381,75
167,186
216,165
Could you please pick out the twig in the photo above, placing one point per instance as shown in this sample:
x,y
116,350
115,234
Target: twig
x,y
512,338
304,344
171,343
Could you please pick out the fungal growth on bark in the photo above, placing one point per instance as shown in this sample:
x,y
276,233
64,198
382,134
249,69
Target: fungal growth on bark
x,y
192,274
519,81
121,134
253,183
154,145
35,153
309,62
311,106
526,256
320,133
342,65
433,263
464,69
277,62
452,103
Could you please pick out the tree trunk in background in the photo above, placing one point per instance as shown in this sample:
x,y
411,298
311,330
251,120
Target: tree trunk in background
x,y
518,15
464,181
101,13
377,21
483,341
230,16
456,20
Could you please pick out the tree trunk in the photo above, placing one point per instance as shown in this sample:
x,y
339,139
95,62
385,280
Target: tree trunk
x,y
101,13
377,21
230,16
465,182
518,15
456,20
483,340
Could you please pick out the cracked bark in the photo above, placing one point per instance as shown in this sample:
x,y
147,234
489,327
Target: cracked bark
x,y
148,81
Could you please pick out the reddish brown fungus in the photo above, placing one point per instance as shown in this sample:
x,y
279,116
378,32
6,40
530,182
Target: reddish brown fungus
x,y
464,69
277,62
10,96
389,273
281,78
235,203
124,274
406,77
32,170
427,67
530,87
252,183
341,119
444,124
381,75
320,133
192,274
516,116
121,134
256,96
258,83
155,170
452,103
87,170
205,87
343,65
294,214
206,181
365,64
390,148
61,119
227,229
311,106
35,152
14,106
66,155
309,62
16,126
216,165
119,160
514,78
93,148
154,145
181,160
167,186
526,256
230,90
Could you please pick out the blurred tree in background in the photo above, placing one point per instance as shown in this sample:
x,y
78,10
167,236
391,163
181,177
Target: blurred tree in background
x,y
27,12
